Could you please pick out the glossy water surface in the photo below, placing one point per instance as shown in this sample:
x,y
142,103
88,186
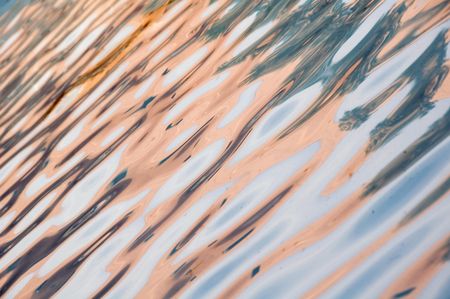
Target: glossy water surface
x,y
224,148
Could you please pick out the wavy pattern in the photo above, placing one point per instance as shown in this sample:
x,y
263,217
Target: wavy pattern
x,y
224,148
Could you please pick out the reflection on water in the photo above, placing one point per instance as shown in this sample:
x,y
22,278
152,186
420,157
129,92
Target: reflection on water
x,y
224,148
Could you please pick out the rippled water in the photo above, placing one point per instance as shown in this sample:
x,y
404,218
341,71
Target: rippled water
x,y
224,148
